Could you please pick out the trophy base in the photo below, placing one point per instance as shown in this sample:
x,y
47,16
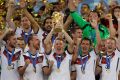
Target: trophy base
x,y
57,30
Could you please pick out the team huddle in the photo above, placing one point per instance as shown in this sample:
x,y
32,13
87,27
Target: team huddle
x,y
48,52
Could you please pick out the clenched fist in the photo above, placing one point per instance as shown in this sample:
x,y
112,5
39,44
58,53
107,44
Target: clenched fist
x,y
51,63
27,62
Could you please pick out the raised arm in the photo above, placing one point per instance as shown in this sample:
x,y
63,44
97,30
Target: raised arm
x,y
94,24
67,37
98,41
118,40
111,26
48,43
35,25
67,23
75,16
76,50
70,41
9,15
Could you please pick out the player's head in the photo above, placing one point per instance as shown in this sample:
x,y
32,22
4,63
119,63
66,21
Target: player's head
x,y
85,45
59,45
10,39
110,45
33,41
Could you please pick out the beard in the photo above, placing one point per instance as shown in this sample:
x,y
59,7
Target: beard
x,y
37,47
109,47
59,49
12,45
103,49
84,50
48,28
26,26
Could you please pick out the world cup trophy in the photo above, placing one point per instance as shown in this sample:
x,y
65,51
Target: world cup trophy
x,y
57,17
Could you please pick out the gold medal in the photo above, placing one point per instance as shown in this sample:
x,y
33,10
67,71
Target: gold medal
x,y
34,70
83,72
58,70
9,67
108,70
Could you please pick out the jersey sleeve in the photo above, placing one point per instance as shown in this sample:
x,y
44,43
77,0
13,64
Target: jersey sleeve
x,y
21,61
93,54
44,63
119,65
69,55
79,20
105,32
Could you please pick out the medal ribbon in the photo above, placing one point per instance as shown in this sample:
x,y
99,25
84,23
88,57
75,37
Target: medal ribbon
x,y
10,56
59,60
27,36
108,58
33,60
83,63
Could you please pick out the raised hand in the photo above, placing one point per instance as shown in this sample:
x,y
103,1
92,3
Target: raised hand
x,y
72,5
27,62
108,16
51,63
22,4
11,1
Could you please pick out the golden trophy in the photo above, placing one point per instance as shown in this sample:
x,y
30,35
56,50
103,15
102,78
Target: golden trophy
x,y
62,1
44,1
57,17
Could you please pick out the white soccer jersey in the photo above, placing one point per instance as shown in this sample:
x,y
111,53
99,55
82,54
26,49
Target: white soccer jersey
x,y
112,73
30,74
89,72
6,73
63,73
20,32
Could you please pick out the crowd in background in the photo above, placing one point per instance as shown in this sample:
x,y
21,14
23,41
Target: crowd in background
x,y
60,39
